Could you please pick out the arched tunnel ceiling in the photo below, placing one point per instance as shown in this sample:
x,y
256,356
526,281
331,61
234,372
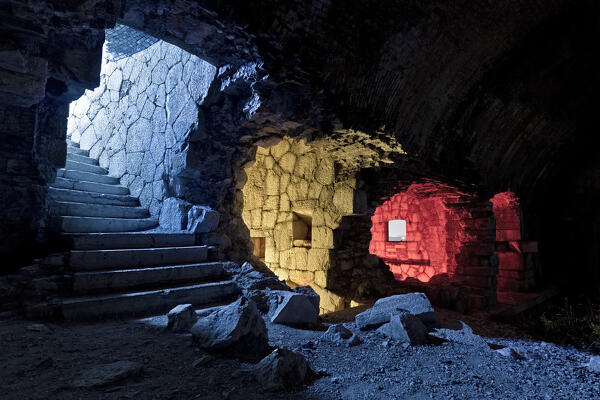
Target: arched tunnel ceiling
x,y
495,89
458,83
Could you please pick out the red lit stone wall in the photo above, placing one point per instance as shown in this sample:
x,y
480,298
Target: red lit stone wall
x,y
450,238
508,242
423,255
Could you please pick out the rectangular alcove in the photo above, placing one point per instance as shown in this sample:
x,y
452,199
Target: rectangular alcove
x,y
302,230
397,230
259,247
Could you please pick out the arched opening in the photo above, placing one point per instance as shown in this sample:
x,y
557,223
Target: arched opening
x,y
448,242
136,125
439,227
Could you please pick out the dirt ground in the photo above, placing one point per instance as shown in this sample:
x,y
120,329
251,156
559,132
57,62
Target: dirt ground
x,y
43,361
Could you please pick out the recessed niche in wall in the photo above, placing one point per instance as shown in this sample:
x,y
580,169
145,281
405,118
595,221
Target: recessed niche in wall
x,y
259,247
302,230
397,230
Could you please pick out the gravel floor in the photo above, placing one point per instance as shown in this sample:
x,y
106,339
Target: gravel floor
x,y
42,364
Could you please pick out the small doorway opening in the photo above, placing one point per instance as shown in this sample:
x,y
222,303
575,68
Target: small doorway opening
x,y
259,247
302,230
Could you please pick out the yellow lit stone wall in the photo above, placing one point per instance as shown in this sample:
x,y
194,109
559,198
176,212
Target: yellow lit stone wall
x,y
287,185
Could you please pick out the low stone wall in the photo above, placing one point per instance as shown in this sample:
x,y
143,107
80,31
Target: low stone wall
x,y
138,120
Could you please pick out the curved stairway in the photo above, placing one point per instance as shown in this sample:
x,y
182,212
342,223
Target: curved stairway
x,y
119,269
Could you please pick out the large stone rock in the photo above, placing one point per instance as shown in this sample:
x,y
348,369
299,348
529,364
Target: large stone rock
x,y
404,328
177,215
309,292
282,369
236,330
174,214
202,219
295,309
416,304
181,318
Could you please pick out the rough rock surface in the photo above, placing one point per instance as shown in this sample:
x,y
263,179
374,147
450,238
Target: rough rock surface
x,y
108,374
404,328
311,294
282,369
339,334
464,335
181,318
256,285
416,304
594,364
295,309
180,215
298,195
138,120
236,330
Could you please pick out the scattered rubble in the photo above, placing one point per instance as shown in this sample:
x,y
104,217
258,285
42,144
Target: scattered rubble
x,y
416,304
181,318
295,309
341,335
281,370
464,335
236,330
404,328
594,364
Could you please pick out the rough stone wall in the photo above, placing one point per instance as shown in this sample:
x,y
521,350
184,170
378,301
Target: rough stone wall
x,y
450,236
138,120
31,149
288,184
423,254
512,252
356,275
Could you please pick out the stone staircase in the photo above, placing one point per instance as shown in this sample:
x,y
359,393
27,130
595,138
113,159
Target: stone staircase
x,y
119,266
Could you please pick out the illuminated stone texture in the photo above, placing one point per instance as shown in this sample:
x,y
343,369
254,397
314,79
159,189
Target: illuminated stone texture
x,y
138,120
450,235
293,199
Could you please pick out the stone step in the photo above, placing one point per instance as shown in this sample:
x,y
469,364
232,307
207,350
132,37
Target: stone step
x,y
154,301
65,183
95,224
77,150
62,208
77,166
81,159
72,143
77,196
86,282
87,176
93,260
130,240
